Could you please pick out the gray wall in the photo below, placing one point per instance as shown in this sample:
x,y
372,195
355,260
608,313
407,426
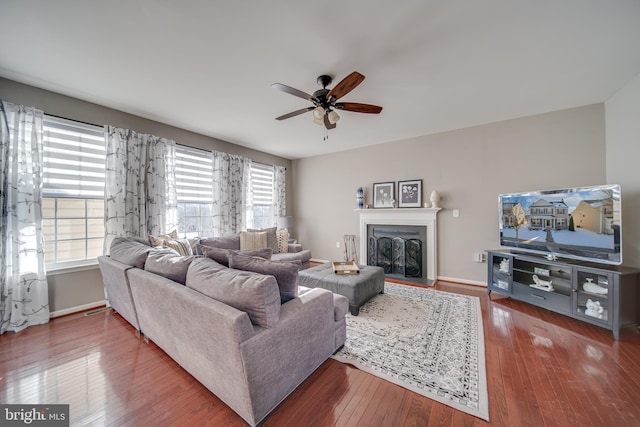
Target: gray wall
x,y
468,167
84,288
623,154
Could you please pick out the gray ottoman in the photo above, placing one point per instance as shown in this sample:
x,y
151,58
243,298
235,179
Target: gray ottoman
x,y
358,288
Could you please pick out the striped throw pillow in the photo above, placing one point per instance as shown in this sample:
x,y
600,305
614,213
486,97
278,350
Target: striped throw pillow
x,y
253,240
182,246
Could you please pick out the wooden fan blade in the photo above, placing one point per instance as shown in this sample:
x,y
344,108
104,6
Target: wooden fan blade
x,y
295,113
346,85
291,91
358,108
327,123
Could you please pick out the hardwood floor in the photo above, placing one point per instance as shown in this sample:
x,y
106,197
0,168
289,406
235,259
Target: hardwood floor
x,y
543,369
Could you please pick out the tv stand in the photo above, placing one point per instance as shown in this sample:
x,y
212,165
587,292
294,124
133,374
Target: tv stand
x,y
599,294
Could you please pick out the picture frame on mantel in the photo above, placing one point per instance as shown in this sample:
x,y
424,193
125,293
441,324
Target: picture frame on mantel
x,y
384,195
410,194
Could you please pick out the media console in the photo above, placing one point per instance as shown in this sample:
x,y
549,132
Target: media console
x,y
599,294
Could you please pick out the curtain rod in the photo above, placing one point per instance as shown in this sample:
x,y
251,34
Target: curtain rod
x,y
74,120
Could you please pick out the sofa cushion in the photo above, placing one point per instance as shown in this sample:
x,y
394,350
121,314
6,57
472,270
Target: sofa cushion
x,y
255,294
222,255
182,246
129,251
226,242
168,263
286,273
272,239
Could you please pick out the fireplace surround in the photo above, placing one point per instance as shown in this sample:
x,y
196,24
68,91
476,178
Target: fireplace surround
x,y
421,217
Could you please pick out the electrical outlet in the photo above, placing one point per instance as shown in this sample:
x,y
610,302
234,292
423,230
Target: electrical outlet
x,y
338,244
456,213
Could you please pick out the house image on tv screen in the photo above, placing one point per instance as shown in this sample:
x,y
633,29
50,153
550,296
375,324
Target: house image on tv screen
x,y
544,215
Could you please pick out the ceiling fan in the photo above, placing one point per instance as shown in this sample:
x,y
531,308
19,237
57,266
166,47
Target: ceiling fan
x,y
324,100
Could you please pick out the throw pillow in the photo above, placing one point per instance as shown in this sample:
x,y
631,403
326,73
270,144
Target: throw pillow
x,y
231,241
272,240
286,273
182,246
168,263
283,241
222,255
159,240
255,294
253,240
130,251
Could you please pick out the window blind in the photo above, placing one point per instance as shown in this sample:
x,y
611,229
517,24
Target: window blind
x,y
194,175
74,159
262,178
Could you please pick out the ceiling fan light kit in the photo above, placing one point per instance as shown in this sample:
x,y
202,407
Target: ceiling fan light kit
x,y
324,100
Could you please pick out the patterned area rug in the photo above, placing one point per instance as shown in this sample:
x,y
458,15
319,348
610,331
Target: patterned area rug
x,y
427,341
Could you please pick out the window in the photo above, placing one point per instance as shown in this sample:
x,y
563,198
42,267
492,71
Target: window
x,y
261,206
194,176
73,192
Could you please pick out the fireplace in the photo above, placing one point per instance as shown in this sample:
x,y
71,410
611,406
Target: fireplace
x,y
402,241
398,249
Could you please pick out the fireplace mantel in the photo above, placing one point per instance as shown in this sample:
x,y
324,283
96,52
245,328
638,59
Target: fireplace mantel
x,y
426,217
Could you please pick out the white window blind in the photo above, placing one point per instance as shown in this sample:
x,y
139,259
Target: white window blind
x,y
262,178
74,159
194,174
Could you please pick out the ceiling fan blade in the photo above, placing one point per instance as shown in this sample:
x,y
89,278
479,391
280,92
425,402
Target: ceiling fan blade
x,y
358,108
346,85
295,113
291,91
327,123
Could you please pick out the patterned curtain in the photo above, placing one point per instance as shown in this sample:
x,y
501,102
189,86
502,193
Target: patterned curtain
x,y
140,197
280,192
24,293
231,176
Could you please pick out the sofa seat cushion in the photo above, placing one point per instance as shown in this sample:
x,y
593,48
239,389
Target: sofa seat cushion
x,y
129,251
255,294
222,255
285,273
168,263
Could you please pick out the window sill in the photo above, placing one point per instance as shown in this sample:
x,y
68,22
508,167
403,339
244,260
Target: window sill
x,y
55,270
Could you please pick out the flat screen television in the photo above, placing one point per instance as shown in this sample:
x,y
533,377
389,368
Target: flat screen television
x,y
581,223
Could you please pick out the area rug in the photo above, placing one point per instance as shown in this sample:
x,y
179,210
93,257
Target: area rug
x,y
427,341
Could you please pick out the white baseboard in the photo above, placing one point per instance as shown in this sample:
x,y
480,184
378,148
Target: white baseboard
x,y
77,309
463,281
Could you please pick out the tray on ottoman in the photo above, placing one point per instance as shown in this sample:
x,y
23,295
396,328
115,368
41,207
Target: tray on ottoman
x,y
358,288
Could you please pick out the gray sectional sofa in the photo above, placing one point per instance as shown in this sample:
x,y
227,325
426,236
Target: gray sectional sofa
x,y
245,336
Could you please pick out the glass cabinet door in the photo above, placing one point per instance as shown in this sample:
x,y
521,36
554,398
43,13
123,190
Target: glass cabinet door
x,y
593,295
501,268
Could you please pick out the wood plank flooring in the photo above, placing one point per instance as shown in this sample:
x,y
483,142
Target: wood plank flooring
x,y
543,369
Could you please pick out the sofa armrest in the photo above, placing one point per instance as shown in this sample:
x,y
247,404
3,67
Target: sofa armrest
x,y
116,288
279,359
294,247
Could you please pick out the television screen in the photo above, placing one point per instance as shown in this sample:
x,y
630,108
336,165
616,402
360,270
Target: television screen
x,y
581,223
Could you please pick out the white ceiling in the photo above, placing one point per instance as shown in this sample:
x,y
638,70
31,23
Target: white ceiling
x,y
207,66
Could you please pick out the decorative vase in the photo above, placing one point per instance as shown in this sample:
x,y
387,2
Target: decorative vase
x,y
435,199
360,197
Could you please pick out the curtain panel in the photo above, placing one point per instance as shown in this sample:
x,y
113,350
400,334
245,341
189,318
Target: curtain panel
x,y
280,192
24,294
231,177
140,194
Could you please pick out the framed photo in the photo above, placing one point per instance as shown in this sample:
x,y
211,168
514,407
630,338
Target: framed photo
x,y
410,194
384,194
